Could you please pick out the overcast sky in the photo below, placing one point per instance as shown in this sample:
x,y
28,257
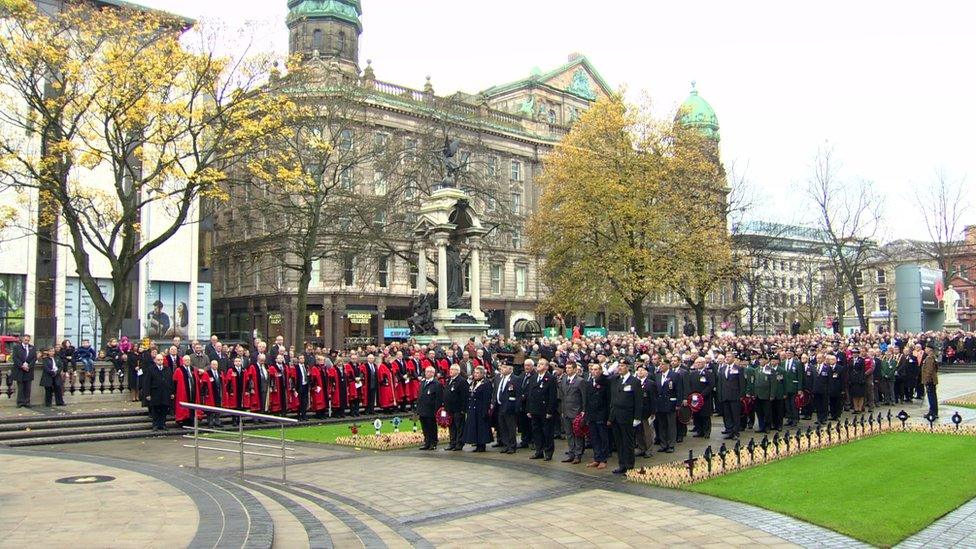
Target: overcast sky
x,y
890,84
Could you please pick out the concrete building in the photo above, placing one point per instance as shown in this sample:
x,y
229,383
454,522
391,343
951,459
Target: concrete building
x,y
40,292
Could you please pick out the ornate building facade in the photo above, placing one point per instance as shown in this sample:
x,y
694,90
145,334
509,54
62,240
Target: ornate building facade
x,y
506,131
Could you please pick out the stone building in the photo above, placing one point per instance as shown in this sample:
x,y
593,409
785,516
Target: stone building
x,y
355,299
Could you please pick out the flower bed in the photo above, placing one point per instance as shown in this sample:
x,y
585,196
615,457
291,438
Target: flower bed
x,y
388,441
731,459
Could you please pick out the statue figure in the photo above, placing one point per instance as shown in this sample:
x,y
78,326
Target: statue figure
x,y
421,322
452,164
950,298
455,275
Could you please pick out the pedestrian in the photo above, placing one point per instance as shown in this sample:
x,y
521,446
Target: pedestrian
x,y
930,378
596,408
731,389
23,358
51,379
571,405
625,414
540,407
477,427
158,392
456,396
507,394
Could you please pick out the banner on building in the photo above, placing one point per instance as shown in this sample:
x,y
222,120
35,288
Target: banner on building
x,y
169,314
12,295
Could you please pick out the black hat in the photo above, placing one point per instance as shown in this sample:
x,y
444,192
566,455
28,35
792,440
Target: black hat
x,y
856,350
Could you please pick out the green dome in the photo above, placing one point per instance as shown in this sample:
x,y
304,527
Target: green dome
x,y
695,112
343,10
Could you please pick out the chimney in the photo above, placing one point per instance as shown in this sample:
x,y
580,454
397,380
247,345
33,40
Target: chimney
x,y
574,56
970,232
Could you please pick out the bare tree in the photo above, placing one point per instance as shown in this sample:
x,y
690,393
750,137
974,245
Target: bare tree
x,y
944,206
849,215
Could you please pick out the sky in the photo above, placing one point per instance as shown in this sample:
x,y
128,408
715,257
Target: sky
x,y
888,85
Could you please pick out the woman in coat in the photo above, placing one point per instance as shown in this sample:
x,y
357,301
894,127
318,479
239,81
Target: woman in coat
x,y
133,363
477,428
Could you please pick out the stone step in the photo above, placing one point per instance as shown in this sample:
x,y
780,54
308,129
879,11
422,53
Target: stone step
x,y
75,430
74,416
86,437
64,422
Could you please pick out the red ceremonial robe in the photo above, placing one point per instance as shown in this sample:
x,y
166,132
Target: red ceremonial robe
x,y
232,394
398,370
186,386
317,389
335,394
252,384
276,393
208,390
384,382
443,370
364,379
292,387
413,386
352,392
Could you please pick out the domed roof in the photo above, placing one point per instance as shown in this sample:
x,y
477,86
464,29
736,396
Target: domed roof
x,y
695,112
344,10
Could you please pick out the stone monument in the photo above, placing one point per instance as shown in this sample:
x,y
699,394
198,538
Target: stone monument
x,y
448,221
950,308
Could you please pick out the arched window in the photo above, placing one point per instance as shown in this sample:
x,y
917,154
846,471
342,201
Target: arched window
x,y
341,42
317,40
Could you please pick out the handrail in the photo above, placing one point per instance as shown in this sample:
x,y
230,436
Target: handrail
x,y
281,421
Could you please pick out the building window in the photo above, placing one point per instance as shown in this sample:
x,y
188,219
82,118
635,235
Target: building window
x,y
858,278
379,218
521,275
240,274
256,270
349,269
414,274
380,141
410,191
317,40
496,279
516,170
383,272
410,149
882,278
882,301
345,140
379,184
345,179
552,116
516,239
490,203
279,276
467,277
516,203
341,42
860,302
492,166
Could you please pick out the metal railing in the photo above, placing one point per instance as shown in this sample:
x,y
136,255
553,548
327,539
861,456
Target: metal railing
x,y
241,435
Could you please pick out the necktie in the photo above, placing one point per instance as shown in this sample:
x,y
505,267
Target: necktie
x,y
501,387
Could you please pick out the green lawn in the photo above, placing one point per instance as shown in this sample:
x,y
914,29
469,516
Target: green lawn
x,y
879,490
963,405
328,433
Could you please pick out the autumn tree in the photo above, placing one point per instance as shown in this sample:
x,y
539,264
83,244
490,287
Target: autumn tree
x,y
944,205
114,112
848,215
614,222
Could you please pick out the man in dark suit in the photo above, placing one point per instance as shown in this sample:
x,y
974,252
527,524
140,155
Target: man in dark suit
x,y
731,389
430,400
541,407
821,388
23,357
456,404
302,386
596,407
625,414
670,396
159,392
524,421
211,348
835,389
51,379
570,393
506,396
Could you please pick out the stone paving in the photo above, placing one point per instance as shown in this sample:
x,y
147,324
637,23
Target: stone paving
x,y
341,497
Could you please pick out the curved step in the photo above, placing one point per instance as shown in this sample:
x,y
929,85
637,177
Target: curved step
x,y
61,423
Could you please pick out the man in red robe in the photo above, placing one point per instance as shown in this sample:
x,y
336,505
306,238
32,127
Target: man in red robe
x,y
186,382
443,366
318,388
234,396
335,377
277,387
414,371
384,385
291,383
354,383
398,369
257,386
211,393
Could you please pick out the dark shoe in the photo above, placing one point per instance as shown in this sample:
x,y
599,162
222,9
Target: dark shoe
x,y
547,458
619,471
567,460
424,448
670,450
536,456
496,445
460,448
662,450
510,451
523,445
576,461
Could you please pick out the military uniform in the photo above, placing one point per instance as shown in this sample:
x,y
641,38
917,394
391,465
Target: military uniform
x,y
702,381
731,389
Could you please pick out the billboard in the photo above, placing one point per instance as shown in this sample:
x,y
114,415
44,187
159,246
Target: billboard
x,y
930,288
170,314
12,292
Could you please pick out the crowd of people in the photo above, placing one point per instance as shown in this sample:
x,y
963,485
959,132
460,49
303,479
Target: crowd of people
x,y
621,393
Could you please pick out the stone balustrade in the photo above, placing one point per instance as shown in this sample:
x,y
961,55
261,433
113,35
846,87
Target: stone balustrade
x,y
105,385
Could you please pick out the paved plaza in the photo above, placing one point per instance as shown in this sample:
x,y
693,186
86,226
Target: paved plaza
x,y
145,493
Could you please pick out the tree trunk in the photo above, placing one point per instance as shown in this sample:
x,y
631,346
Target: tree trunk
x,y
699,309
304,279
637,311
